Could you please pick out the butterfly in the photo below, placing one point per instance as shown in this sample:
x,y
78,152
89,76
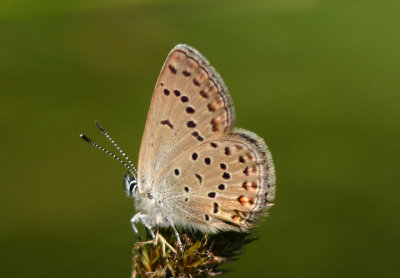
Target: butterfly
x,y
196,170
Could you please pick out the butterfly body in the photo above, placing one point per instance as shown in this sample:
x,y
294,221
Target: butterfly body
x,y
196,170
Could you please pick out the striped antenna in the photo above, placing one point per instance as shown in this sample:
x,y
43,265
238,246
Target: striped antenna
x,y
87,139
115,145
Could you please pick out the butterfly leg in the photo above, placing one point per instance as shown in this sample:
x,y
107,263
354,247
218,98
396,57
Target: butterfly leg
x,y
141,217
178,239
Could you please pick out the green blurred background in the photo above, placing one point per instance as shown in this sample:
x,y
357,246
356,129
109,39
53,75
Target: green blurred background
x,y
318,79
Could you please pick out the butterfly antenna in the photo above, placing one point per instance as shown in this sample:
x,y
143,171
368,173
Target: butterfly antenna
x,y
115,145
87,139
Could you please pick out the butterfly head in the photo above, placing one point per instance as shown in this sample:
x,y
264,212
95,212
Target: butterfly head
x,y
130,185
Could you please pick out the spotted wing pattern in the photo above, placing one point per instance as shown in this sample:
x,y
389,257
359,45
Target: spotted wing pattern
x,y
208,174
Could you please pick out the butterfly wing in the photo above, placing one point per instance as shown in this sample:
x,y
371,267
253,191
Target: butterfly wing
x,y
222,184
190,105
203,172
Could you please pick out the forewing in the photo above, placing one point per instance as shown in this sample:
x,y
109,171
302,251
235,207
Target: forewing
x,y
190,105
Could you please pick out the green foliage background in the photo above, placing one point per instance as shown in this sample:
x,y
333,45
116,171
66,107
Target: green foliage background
x,y
318,79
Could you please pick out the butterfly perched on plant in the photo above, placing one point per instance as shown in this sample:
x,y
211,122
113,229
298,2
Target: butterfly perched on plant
x,y
195,169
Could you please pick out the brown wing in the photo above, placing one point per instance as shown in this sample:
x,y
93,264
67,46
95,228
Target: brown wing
x,y
222,184
205,173
190,105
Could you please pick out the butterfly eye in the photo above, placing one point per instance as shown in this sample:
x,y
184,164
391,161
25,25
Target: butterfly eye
x,y
132,186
